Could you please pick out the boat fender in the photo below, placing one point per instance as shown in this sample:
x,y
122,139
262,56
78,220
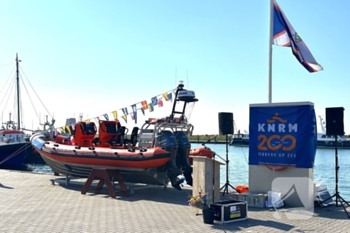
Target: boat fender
x,y
276,168
116,153
141,154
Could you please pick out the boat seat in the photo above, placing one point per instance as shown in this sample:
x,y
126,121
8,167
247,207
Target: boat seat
x,y
84,133
119,138
133,136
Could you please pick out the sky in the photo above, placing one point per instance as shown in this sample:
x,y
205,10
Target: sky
x,y
90,58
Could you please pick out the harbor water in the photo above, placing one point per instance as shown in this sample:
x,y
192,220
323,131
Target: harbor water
x,y
324,167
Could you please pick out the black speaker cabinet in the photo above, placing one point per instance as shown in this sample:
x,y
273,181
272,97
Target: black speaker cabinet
x,y
225,123
335,121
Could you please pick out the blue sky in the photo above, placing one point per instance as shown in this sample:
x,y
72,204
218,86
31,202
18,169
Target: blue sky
x,y
94,57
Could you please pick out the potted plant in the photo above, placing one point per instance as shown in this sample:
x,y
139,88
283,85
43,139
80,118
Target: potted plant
x,y
197,202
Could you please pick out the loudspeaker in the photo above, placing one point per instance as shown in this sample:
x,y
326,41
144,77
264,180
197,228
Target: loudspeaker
x,y
225,123
335,121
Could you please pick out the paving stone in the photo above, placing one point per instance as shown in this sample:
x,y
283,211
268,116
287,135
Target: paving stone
x,y
30,203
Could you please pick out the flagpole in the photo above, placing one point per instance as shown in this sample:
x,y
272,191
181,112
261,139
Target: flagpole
x,y
270,51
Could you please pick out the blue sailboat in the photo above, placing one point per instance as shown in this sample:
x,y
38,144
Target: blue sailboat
x,y
13,143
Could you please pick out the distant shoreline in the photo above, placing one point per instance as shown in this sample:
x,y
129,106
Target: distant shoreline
x,y
210,139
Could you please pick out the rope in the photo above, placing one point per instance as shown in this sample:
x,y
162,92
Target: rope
x,y
25,147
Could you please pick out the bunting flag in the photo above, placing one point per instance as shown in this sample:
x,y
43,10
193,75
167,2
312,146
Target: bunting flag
x,y
125,111
115,115
285,35
170,96
134,116
150,107
133,107
68,129
125,118
154,101
144,105
165,95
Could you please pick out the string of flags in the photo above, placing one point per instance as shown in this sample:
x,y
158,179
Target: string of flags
x,y
124,112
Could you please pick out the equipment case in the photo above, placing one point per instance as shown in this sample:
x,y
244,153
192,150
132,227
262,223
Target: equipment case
x,y
229,211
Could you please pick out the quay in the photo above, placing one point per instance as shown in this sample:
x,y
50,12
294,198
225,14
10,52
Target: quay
x,y
31,203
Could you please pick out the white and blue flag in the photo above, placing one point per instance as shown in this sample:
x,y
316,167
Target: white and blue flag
x,y
285,35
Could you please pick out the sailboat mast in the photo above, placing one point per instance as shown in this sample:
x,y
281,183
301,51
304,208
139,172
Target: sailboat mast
x,y
18,107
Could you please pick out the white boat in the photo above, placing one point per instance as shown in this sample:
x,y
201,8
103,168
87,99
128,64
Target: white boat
x,y
240,139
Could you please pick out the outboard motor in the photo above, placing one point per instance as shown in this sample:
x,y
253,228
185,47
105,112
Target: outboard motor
x,y
167,141
182,158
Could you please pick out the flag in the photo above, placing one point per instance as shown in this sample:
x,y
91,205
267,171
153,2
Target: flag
x,y
160,103
144,105
150,107
154,101
125,111
133,107
115,115
134,116
285,35
143,111
68,129
170,96
165,95
106,116
125,118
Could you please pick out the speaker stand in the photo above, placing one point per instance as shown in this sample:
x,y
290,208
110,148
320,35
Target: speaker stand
x,y
337,196
227,184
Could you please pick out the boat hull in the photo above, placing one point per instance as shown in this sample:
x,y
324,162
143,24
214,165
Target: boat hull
x,y
146,176
12,155
137,166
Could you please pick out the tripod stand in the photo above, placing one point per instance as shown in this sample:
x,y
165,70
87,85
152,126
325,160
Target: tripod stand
x,y
336,194
227,184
